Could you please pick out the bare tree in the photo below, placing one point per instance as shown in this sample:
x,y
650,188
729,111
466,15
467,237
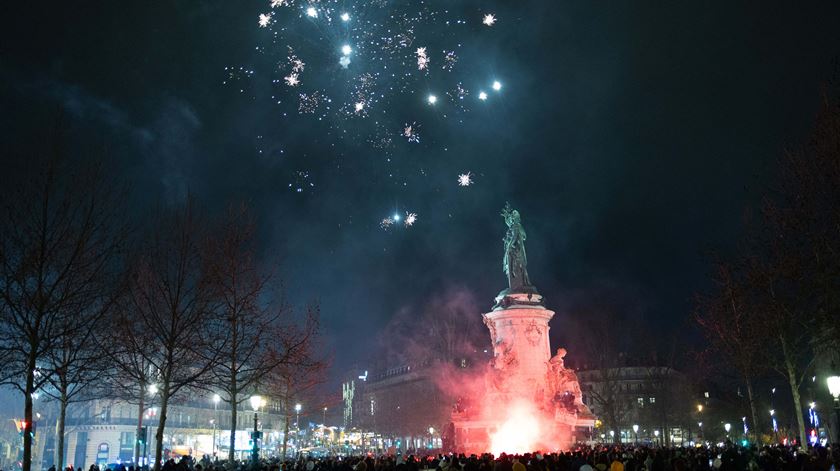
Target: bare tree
x,y
604,360
732,326
130,366
173,300
299,364
59,245
792,264
246,355
73,365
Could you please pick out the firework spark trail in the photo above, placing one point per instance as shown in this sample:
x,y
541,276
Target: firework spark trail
x,y
465,179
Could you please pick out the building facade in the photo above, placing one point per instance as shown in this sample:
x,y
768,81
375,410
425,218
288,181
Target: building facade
x,y
652,404
105,432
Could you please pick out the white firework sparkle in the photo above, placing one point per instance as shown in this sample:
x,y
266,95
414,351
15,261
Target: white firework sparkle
x,y
465,179
412,132
422,59
279,3
489,19
265,19
410,219
292,79
386,223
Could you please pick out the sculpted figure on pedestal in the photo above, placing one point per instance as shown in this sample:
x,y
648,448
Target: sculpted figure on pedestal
x,y
515,261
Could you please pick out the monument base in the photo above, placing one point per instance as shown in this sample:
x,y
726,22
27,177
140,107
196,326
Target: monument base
x,y
526,390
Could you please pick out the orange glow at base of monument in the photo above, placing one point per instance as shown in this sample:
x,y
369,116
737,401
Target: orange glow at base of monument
x,y
519,433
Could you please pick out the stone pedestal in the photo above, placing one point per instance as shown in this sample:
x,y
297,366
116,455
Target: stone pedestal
x,y
522,371
519,334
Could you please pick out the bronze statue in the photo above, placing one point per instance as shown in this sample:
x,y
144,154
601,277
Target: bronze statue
x,y
515,262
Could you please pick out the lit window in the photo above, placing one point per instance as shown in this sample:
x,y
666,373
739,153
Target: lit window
x,y
706,394
463,362
652,399
641,401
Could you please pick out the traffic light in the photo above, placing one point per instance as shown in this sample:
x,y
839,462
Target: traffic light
x,y
144,435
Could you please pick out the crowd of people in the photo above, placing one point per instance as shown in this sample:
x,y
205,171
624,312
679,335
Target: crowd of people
x,y
583,458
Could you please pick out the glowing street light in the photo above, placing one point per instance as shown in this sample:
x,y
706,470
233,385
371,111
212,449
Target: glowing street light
x,y
727,426
699,408
298,407
216,400
635,428
256,402
153,389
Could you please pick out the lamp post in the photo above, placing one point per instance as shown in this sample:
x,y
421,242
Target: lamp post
x,y
636,433
324,427
256,402
431,437
612,435
727,426
834,390
297,424
216,400
153,389
656,434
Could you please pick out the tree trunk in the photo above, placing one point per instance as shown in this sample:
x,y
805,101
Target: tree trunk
x,y
27,417
140,409
285,427
59,432
164,404
790,368
753,412
233,414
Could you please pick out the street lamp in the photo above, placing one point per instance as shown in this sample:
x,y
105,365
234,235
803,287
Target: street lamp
x,y
612,435
297,423
431,437
152,389
216,400
656,434
727,426
636,432
256,402
834,390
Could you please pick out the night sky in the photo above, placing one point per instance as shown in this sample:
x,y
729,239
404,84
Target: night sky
x,y
632,136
